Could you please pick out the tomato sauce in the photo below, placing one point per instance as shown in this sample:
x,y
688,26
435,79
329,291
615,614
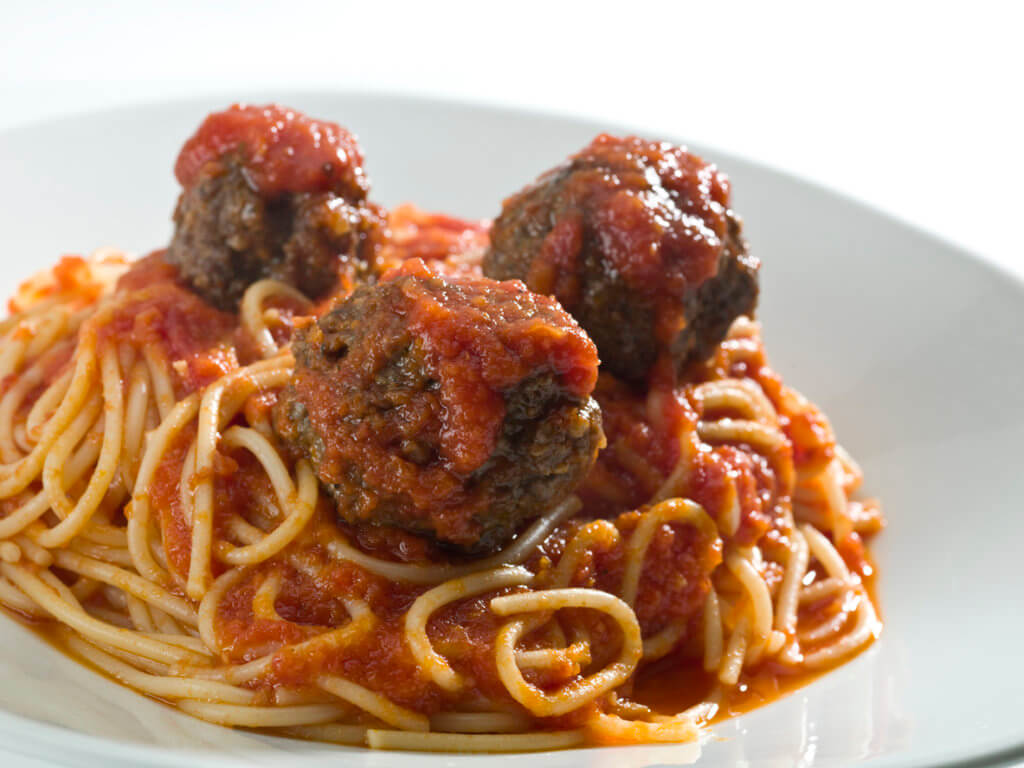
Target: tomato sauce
x,y
312,601
151,309
165,502
678,681
283,152
240,485
450,245
676,576
76,280
486,347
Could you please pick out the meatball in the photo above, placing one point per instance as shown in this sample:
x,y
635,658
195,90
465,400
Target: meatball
x,y
637,241
454,408
270,193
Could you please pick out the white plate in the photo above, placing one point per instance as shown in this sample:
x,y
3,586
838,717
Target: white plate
x,y
913,348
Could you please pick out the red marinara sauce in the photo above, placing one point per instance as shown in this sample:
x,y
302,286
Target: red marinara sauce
x,y
662,221
283,151
484,338
152,309
449,245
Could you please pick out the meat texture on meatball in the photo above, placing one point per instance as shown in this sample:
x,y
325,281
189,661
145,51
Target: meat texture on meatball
x,y
636,239
455,408
271,193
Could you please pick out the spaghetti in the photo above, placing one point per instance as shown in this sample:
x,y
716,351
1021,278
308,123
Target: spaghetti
x,y
121,523
282,476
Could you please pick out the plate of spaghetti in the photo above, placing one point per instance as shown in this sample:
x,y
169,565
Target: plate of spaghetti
x,y
490,456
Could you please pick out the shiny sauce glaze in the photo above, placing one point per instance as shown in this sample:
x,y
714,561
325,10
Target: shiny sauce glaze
x,y
450,245
678,681
656,213
282,151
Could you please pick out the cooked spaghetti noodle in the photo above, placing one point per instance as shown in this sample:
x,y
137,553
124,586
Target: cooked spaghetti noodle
x,y
148,510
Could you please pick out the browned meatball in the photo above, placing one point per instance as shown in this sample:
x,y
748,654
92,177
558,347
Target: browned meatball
x,y
269,193
453,408
636,239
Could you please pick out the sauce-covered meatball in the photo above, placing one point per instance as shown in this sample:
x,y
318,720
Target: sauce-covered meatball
x,y
270,193
455,408
637,241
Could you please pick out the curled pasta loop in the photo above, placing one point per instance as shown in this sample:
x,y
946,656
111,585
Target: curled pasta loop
x,y
541,703
429,660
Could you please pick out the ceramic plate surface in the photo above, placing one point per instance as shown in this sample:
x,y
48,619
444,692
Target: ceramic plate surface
x,y
913,348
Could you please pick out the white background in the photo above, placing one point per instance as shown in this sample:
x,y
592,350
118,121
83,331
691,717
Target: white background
x,y
916,108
